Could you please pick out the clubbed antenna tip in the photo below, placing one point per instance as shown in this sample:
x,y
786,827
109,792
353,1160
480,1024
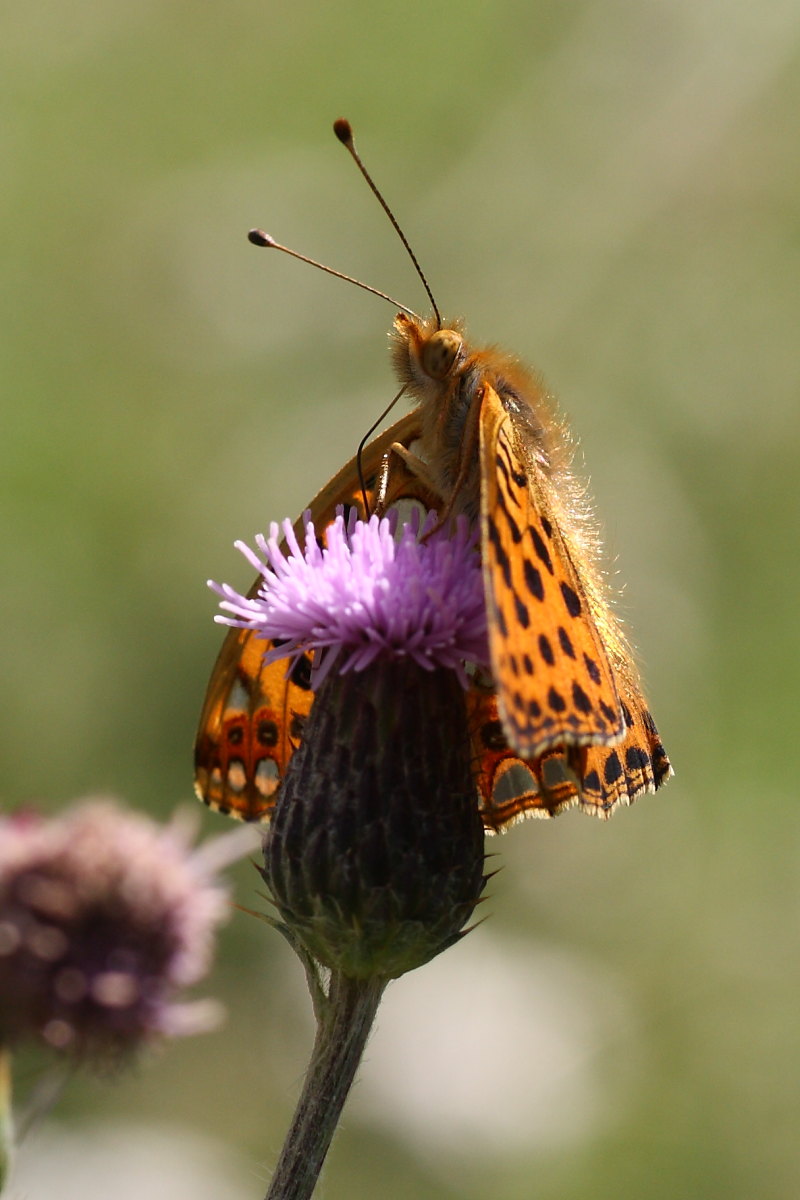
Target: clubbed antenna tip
x,y
259,238
344,131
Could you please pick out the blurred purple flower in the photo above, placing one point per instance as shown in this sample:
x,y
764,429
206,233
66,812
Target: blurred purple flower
x,y
104,918
372,592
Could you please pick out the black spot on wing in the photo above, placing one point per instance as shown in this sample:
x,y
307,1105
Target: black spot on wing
x,y
509,470
637,759
546,650
492,736
565,643
520,479
513,527
542,553
591,782
501,558
503,467
592,668
266,733
571,599
533,580
500,620
523,616
613,768
661,764
300,674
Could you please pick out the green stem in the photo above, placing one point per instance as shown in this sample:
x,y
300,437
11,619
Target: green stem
x,y
342,1032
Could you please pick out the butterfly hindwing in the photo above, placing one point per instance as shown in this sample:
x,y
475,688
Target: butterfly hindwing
x,y
616,775
598,778
250,726
253,714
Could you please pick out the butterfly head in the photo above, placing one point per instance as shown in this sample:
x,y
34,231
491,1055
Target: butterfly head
x,y
425,355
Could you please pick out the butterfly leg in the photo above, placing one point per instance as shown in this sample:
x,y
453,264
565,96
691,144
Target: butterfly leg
x,y
404,476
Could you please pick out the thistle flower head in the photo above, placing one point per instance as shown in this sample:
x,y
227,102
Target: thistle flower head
x,y
374,856
105,917
369,593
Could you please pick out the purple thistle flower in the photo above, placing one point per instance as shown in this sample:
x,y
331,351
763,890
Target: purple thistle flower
x,y
370,593
374,855
104,918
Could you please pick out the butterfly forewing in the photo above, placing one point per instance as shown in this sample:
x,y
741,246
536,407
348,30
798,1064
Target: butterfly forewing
x,y
555,683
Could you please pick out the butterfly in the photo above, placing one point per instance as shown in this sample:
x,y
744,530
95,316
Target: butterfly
x,y
560,718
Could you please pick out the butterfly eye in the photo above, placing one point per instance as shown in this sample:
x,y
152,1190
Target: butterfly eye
x,y
440,353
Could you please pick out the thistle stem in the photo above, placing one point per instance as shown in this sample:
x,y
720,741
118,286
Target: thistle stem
x,y
344,1025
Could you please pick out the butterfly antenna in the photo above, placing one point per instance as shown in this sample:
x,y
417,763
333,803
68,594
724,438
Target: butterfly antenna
x,y
344,133
259,238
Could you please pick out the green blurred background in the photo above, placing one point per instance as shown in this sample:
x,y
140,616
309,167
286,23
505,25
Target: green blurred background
x,y
611,190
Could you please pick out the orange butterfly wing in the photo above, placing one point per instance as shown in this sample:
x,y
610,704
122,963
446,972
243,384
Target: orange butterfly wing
x,y
253,714
555,682
568,706
250,726
598,778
